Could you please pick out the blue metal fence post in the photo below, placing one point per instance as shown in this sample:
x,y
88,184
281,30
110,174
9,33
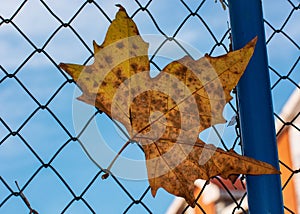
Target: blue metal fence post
x,y
255,104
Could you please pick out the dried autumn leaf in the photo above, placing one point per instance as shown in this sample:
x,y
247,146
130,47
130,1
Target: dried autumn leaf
x,y
167,113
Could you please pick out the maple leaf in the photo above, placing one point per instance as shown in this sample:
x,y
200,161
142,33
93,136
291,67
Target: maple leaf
x,y
166,113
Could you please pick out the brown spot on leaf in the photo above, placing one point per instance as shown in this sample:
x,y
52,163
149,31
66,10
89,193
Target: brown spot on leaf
x,y
88,70
206,78
134,66
118,73
134,46
178,72
190,79
132,91
108,59
174,86
120,45
95,84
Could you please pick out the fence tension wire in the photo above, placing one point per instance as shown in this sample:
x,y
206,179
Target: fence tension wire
x,y
255,104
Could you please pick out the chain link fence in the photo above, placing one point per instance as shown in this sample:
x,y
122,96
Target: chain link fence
x,y
283,45
44,169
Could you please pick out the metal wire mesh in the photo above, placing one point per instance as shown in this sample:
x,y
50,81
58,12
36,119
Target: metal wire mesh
x,y
285,78
39,146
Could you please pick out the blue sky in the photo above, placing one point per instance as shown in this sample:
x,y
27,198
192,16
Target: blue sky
x,y
41,77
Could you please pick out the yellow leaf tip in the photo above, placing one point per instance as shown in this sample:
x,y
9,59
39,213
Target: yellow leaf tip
x,y
277,172
85,98
253,42
120,7
96,47
193,204
272,170
153,191
63,66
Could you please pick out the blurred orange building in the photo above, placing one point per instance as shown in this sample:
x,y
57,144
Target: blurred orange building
x,y
215,199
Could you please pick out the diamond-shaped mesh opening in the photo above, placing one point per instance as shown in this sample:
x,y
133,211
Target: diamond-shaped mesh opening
x,y
40,78
46,186
16,100
48,139
15,48
14,149
40,141
44,22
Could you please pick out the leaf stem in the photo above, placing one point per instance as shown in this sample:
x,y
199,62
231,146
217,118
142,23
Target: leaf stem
x,y
114,160
32,211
